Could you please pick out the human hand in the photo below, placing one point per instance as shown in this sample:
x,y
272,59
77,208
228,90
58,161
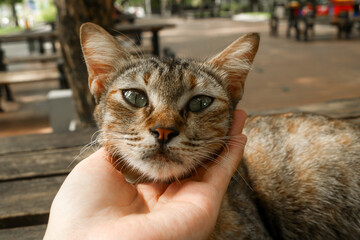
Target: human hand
x,y
96,202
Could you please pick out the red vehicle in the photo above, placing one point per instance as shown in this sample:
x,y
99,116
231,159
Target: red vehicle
x,y
338,6
338,12
342,15
303,14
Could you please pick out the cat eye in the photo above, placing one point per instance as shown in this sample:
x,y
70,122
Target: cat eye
x,y
135,98
199,103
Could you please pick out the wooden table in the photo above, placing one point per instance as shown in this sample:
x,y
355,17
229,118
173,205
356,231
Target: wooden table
x,y
137,28
32,168
155,28
9,78
29,76
29,36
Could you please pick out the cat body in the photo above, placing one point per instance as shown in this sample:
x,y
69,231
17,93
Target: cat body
x,y
160,119
303,170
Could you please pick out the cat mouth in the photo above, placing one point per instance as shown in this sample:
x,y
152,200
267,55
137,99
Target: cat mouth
x,y
162,155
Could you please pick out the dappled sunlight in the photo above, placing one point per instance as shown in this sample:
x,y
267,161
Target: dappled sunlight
x,y
21,130
307,80
32,98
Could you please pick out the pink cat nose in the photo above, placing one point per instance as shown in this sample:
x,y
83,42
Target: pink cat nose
x,y
164,135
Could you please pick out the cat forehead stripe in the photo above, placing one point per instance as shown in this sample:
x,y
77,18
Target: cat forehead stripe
x,y
146,77
192,81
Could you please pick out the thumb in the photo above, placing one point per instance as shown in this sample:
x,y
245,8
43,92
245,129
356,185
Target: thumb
x,y
220,174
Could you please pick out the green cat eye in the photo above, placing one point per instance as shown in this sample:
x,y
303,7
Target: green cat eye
x,y
199,103
135,98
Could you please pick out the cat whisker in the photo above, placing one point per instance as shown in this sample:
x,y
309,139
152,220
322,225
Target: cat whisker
x,y
236,143
118,132
93,142
205,155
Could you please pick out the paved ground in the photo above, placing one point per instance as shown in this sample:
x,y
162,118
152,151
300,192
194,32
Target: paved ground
x,y
286,72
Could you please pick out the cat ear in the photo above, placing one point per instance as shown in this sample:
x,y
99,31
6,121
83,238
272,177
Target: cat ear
x,y
103,56
234,63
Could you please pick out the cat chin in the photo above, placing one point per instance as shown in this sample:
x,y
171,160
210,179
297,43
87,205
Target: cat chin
x,y
160,169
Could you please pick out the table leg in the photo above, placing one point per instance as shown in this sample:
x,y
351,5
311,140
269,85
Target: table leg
x,y
1,110
138,38
53,44
31,45
41,45
9,96
3,68
2,58
155,43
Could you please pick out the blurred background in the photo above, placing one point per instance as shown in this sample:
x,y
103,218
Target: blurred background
x,y
308,60
309,51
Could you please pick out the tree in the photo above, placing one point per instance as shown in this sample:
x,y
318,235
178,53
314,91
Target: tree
x,y
13,3
254,5
71,14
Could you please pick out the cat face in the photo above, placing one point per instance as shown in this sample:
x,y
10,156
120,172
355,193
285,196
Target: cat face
x,y
161,119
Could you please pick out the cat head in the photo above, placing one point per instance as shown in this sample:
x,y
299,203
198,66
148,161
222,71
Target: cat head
x,y
162,118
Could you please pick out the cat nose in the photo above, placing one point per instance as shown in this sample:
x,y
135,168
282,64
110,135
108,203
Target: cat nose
x,y
164,135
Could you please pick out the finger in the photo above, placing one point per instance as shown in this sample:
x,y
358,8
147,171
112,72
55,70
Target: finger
x,y
238,122
239,118
219,174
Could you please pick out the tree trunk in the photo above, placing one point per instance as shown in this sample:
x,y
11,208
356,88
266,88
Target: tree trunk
x,y
14,13
254,5
71,14
148,7
163,5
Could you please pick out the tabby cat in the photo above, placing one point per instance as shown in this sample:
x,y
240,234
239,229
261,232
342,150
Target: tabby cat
x,y
163,118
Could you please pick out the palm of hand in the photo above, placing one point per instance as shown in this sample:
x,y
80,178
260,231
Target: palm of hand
x,y
96,202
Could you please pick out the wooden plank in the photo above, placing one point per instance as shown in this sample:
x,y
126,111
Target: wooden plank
x,y
38,58
125,28
343,109
130,28
30,143
23,233
29,76
41,163
27,202
28,35
139,50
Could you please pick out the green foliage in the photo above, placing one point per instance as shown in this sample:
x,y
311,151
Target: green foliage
x,y
235,7
47,12
10,1
130,2
6,30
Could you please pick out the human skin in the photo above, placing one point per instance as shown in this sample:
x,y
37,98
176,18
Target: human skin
x,y
96,202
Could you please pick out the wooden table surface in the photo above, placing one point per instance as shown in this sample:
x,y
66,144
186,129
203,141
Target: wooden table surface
x,y
124,28
32,168
116,30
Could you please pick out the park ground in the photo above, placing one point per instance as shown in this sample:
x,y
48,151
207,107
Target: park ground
x,y
285,73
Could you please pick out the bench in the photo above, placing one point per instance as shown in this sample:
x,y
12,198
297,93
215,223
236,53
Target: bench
x,y
29,59
32,36
137,29
119,30
29,76
7,78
